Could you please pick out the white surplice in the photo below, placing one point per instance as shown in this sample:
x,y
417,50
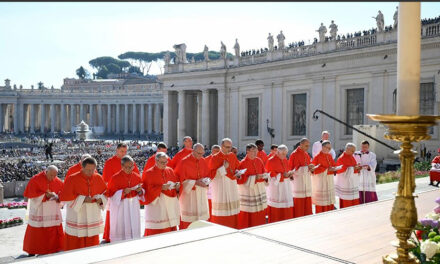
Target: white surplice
x,y
45,214
125,218
85,219
279,194
367,179
252,195
323,189
302,182
347,184
225,199
193,203
162,213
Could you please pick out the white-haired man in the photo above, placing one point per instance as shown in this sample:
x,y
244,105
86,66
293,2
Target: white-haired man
x,y
162,210
347,178
225,198
193,173
317,146
279,191
44,233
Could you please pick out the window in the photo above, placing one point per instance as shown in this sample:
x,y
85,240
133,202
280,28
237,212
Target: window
x,y
299,106
427,99
355,108
253,117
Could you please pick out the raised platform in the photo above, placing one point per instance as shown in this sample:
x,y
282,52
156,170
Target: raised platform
x,y
360,234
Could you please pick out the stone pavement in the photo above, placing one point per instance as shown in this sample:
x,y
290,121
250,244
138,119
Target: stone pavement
x,y
11,239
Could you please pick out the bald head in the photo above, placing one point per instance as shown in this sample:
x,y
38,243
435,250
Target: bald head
x,y
51,172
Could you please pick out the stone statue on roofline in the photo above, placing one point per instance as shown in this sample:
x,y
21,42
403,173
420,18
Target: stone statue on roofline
x,y
237,48
379,21
223,50
396,17
206,53
270,42
322,30
180,50
333,30
281,39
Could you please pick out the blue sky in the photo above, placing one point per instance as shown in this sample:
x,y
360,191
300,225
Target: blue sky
x,y
49,41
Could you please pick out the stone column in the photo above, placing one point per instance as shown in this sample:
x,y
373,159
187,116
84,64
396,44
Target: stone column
x,y
150,118
134,119
72,117
63,118
16,129
1,119
157,118
109,118
117,120
142,127
52,118
126,119
32,119
91,113
205,117
181,121
81,112
21,117
42,118
221,115
99,109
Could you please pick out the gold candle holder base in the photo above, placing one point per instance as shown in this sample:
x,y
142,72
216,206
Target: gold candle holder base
x,y
405,129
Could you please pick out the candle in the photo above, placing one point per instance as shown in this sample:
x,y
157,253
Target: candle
x,y
408,58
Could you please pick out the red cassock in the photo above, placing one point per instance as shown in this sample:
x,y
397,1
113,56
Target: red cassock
x,y
111,167
153,179
325,161
151,162
215,163
275,166
435,175
43,240
190,168
122,180
303,206
178,157
262,155
253,167
347,161
80,184
72,170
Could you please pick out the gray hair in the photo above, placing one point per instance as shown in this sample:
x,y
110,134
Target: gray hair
x,y
198,145
282,148
160,155
325,142
52,168
304,140
85,155
226,139
126,158
215,147
187,137
325,132
349,144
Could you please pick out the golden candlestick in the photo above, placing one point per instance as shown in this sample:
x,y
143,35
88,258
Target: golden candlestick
x,y
405,129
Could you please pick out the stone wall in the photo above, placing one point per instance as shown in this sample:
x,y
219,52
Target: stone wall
x,y
14,188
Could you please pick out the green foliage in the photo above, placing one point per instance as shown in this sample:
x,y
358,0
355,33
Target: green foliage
x,y
114,68
99,62
102,73
134,69
82,73
422,165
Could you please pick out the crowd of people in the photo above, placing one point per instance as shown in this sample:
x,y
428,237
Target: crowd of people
x,y
179,188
